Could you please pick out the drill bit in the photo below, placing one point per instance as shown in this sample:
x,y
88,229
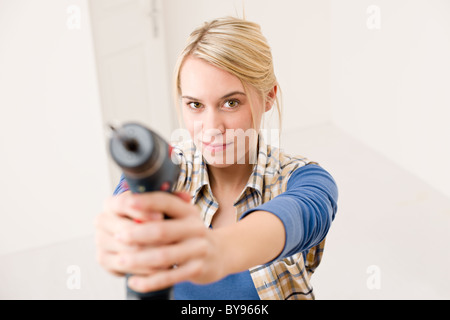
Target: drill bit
x,y
129,143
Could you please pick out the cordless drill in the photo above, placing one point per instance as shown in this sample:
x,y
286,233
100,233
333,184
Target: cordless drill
x,y
145,160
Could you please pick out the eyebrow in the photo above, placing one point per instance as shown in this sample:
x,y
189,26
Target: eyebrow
x,y
224,97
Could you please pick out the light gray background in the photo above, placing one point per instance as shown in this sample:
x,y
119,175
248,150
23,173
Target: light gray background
x,y
366,94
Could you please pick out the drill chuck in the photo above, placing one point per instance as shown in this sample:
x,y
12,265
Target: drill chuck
x,y
144,157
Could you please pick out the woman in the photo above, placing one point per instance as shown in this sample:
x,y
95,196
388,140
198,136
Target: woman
x,y
248,221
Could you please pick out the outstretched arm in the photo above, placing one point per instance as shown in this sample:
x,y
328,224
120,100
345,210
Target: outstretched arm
x,y
289,223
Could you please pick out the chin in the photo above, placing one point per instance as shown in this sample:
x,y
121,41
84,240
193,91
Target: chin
x,y
220,159
221,162
218,166
217,162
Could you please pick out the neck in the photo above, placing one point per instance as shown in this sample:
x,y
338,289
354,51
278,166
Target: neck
x,y
231,179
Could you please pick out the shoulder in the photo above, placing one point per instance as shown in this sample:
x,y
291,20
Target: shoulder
x,y
302,177
313,180
292,171
281,165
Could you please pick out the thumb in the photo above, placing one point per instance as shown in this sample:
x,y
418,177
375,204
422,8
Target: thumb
x,y
186,197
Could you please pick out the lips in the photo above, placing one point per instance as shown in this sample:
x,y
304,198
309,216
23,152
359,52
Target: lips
x,y
216,147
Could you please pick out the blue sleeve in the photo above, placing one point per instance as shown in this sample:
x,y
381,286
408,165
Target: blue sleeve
x,y
306,209
121,187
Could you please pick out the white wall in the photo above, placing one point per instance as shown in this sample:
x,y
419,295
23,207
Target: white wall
x,y
298,32
387,87
390,87
53,158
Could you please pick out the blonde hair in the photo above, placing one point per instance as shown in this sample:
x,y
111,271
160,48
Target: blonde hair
x,y
238,47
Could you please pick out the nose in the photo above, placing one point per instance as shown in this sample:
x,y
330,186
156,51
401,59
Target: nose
x,y
213,125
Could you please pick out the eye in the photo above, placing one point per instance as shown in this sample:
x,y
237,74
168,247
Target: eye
x,y
195,105
231,104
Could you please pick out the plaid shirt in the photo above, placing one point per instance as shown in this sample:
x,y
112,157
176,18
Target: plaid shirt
x,y
287,278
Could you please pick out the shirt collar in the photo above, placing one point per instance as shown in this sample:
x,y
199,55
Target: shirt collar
x,y
256,179
203,178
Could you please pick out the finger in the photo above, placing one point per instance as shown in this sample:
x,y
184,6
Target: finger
x,y
168,203
106,242
116,204
147,217
166,256
184,196
166,278
125,205
110,262
111,223
162,232
114,263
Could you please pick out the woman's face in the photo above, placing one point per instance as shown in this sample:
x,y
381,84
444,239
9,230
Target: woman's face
x,y
217,112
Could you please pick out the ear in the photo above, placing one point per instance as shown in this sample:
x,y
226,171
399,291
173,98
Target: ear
x,y
270,98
